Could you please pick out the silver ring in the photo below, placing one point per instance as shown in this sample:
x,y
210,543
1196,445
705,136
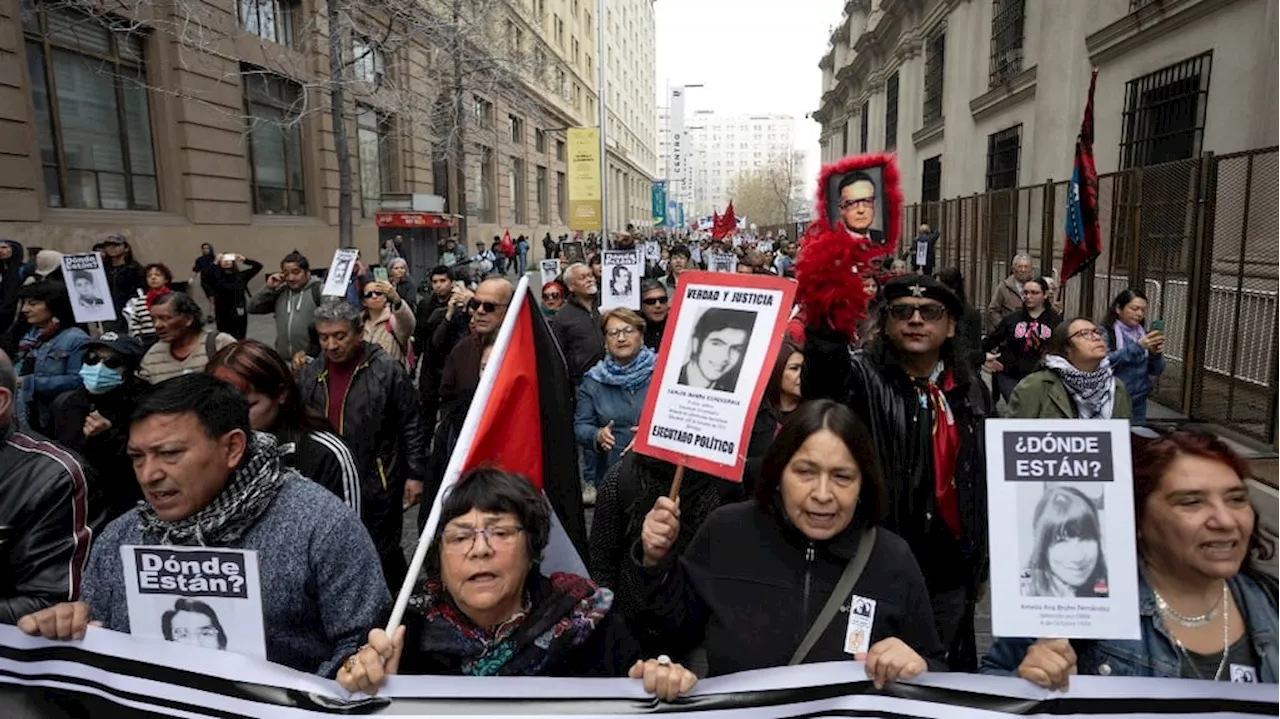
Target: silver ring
x,y
664,660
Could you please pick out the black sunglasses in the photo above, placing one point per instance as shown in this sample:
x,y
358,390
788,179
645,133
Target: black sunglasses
x,y
111,361
371,294
550,295
489,307
928,313
655,300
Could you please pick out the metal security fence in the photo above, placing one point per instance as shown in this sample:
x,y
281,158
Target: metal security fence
x,y
1200,236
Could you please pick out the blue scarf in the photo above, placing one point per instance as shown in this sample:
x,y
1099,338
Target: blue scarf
x,y
630,376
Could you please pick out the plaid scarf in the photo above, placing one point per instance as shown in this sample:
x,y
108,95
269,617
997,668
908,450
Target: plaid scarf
x,y
223,521
1093,393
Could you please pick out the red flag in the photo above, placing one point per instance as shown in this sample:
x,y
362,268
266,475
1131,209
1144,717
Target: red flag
x,y
730,220
1084,237
506,246
715,224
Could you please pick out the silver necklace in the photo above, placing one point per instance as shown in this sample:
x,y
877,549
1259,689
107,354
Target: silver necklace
x,y
1226,641
1196,622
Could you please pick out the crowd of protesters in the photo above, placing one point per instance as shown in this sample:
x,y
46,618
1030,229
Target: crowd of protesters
x,y
311,448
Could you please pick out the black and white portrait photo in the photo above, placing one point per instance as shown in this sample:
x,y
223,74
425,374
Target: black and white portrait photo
x,y
87,293
87,288
620,281
194,623
1064,552
716,347
855,202
620,275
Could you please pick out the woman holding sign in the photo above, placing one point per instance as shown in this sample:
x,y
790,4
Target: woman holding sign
x,y
485,609
771,582
1206,611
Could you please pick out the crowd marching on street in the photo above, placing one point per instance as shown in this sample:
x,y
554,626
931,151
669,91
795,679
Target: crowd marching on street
x,y
865,473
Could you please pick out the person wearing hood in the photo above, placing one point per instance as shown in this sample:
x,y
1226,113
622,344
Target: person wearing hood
x,y
231,294
292,295
49,354
12,258
202,273
94,419
47,265
125,277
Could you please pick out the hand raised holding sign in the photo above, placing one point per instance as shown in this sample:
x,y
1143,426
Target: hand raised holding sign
x,y
1049,663
660,530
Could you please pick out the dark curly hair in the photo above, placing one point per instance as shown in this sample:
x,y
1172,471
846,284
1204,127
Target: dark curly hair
x,y
489,489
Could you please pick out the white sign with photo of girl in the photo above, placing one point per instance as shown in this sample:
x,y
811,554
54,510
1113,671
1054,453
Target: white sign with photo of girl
x,y
1073,572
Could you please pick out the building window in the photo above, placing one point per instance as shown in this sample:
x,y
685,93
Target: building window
x,y
844,139
268,19
487,187
891,112
483,111
934,66
89,88
368,61
1164,113
559,27
864,131
576,52
373,136
931,179
543,200
1006,40
274,104
516,188
562,197
560,150
539,140
516,126
1003,149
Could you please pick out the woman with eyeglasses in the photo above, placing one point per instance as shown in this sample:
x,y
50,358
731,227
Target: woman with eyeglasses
x,y
1136,354
612,392
1076,381
553,294
486,609
1013,349
1207,609
388,319
654,306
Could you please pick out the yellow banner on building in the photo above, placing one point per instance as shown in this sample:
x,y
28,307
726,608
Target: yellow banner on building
x,y
584,179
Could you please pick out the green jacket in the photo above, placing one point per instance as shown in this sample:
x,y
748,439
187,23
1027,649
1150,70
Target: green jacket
x,y
1042,395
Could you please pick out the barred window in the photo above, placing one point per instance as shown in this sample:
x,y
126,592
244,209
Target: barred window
x,y
891,112
1164,113
865,130
931,179
274,106
93,115
1006,39
935,57
1003,151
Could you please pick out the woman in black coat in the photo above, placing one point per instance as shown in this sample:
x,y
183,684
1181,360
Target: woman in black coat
x,y
231,294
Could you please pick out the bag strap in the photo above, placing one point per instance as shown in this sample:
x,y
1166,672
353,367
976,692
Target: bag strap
x,y
852,571
211,344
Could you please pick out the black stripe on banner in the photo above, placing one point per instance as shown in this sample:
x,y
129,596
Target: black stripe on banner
x,y
38,698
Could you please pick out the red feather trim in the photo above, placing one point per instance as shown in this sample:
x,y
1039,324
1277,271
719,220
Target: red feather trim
x,y
831,263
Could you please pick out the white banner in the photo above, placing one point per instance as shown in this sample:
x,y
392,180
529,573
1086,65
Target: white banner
x,y
677,145
90,294
115,675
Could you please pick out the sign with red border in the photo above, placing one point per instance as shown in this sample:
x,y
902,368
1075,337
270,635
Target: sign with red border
x,y
722,337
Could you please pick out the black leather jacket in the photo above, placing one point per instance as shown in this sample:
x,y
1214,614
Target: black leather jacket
x,y
47,517
885,399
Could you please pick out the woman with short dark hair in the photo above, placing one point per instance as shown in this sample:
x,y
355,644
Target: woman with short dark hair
x,y
755,580
486,610
49,354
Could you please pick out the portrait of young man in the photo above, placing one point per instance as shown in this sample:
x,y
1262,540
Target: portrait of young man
x,y
719,341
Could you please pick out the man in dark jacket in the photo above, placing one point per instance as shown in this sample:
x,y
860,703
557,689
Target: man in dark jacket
x,y
124,276
370,402
45,515
435,294
924,250
918,396
577,324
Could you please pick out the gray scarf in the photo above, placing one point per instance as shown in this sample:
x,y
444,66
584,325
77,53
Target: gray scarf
x,y
248,493
1093,393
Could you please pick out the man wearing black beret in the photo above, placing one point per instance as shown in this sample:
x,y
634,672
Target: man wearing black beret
x,y
913,389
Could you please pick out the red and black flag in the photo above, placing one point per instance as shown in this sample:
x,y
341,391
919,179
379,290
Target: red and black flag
x,y
1084,237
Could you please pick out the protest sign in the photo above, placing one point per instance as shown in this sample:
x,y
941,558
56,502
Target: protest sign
x,y
701,404
723,262
621,272
339,275
87,285
652,251
549,270
114,675
199,596
1069,484
573,252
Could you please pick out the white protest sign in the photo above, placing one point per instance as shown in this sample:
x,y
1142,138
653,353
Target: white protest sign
x,y
87,287
339,275
621,272
652,252
1066,566
200,596
723,262
722,330
549,270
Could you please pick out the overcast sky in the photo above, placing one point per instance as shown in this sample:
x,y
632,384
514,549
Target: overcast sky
x,y
751,56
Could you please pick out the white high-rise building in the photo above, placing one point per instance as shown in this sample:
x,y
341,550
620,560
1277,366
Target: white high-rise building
x,y
720,147
631,82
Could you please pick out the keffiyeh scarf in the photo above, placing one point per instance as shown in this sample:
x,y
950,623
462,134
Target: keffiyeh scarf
x,y
630,376
1093,393
248,493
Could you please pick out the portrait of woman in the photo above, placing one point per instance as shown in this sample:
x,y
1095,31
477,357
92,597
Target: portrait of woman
x,y
1067,557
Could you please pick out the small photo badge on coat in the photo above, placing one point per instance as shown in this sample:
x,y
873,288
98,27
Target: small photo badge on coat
x,y
1244,674
857,636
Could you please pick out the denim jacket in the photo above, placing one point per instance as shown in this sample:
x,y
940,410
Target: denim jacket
x,y
57,370
1155,655
1134,366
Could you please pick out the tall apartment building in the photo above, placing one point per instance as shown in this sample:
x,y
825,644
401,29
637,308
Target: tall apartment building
x,y
721,147
631,82
112,126
978,95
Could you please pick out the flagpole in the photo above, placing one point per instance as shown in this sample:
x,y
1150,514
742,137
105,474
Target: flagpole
x,y
470,427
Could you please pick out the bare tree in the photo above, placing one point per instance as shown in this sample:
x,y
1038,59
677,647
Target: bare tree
x,y
767,195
